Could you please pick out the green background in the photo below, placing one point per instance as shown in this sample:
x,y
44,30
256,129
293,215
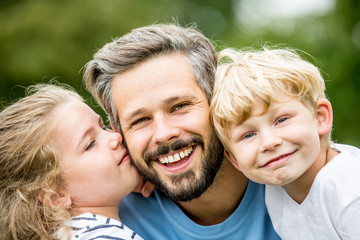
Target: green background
x,y
43,39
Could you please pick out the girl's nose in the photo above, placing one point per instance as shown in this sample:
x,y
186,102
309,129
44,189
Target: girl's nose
x,y
115,140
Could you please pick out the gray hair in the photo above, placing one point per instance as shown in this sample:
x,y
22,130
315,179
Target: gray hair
x,y
142,44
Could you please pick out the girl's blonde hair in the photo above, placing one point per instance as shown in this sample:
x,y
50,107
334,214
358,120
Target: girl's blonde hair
x,y
30,174
245,77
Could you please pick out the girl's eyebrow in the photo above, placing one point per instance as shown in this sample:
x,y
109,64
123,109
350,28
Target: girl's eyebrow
x,y
87,132
83,136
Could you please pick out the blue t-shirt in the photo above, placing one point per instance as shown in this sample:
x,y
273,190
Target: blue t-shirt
x,y
157,217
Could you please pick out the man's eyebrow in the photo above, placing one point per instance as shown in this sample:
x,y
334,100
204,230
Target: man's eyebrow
x,y
165,101
177,98
134,114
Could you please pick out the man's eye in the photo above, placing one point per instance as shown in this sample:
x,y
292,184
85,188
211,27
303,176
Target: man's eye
x,y
140,120
179,106
90,145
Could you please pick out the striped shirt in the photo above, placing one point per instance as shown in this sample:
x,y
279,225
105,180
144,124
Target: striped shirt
x,y
90,227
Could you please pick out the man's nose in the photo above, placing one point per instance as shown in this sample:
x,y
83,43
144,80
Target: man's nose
x,y
164,131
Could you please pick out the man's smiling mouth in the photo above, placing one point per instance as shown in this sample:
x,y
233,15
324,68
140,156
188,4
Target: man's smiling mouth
x,y
175,158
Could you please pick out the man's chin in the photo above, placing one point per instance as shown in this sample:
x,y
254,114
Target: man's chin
x,y
184,188
192,183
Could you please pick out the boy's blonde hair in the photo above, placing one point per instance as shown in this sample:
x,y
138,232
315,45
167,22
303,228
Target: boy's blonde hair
x,y
245,77
29,164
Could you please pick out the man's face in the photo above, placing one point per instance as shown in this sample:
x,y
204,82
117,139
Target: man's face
x,y
164,118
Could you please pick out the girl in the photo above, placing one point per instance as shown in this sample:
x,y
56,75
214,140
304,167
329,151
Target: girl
x,y
63,174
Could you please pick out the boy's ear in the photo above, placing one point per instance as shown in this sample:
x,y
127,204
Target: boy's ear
x,y
232,159
324,116
60,200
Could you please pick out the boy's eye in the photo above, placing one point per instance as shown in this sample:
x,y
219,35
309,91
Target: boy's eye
x,y
90,145
248,135
281,120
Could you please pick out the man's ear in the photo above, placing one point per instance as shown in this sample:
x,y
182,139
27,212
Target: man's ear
x,y
324,116
232,159
49,198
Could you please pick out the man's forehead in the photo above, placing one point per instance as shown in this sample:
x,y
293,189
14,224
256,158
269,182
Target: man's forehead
x,y
153,83
165,93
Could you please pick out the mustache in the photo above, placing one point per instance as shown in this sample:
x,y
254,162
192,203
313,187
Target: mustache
x,y
176,145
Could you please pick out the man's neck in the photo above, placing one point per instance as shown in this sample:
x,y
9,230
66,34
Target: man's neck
x,y
220,200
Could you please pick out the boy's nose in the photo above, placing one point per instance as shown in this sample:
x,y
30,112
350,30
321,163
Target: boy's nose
x,y
269,142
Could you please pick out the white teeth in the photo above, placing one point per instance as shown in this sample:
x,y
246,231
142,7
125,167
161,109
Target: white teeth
x,y
162,160
187,151
176,157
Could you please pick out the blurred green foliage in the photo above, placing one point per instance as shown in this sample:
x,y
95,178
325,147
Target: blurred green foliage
x,y
41,40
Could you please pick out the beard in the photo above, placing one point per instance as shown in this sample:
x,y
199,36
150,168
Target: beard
x,y
193,182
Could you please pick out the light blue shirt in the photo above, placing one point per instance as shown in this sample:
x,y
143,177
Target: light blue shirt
x,y
157,217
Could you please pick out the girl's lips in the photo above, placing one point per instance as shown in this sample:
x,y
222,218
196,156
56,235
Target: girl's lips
x,y
279,160
124,159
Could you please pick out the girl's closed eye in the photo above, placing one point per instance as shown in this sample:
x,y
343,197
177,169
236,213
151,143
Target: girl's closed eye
x,y
90,145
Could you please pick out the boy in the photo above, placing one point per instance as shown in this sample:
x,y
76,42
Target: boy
x,y
270,111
